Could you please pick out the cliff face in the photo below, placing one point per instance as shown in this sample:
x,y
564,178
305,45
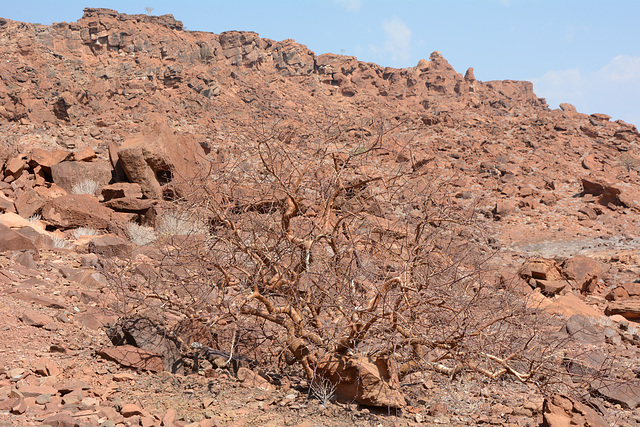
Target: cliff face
x,y
111,66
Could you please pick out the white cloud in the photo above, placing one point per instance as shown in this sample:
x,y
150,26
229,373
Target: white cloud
x,y
614,89
352,5
397,42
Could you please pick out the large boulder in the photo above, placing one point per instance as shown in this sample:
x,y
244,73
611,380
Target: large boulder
x,y
161,157
362,379
76,210
69,174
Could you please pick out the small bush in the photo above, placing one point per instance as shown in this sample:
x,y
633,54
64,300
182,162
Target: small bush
x,y
86,186
140,235
59,243
34,218
174,223
84,231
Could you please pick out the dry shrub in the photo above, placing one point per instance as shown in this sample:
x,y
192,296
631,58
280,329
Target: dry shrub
x,y
331,246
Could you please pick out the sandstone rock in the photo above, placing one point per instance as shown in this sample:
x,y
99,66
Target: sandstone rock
x,y
84,155
563,411
34,318
130,204
362,379
629,308
170,417
11,240
76,210
541,268
121,190
146,334
46,367
46,158
583,271
62,419
624,393
29,203
6,204
130,409
159,158
550,287
50,192
133,357
110,245
35,390
69,174
568,108
14,167
251,379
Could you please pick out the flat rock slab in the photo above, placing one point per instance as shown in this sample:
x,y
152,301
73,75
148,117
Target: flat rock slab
x,y
133,357
623,393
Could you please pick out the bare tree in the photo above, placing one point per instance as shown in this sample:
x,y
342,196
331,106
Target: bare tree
x,y
332,246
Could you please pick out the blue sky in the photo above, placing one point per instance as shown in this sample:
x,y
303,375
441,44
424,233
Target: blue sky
x,y
583,52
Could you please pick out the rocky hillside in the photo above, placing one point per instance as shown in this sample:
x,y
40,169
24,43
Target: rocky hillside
x,y
110,122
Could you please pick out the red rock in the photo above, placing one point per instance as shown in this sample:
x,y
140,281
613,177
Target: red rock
x,y
158,158
35,391
46,367
362,380
84,155
46,158
11,240
110,245
34,318
629,308
28,203
121,190
583,271
69,174
60,420
170,417
561,411
76,210
14,166
133,357
541,268
251,379
19,407
130,409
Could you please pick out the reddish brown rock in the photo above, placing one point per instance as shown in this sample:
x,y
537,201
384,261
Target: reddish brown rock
x,y
121,190
130,409
11,240
161,157
46,158
35,318
251,379
29,203
84,155
583,271
110,245
629,308
14,167
133,357
69,174
363,380
541,268
563,411
76,210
